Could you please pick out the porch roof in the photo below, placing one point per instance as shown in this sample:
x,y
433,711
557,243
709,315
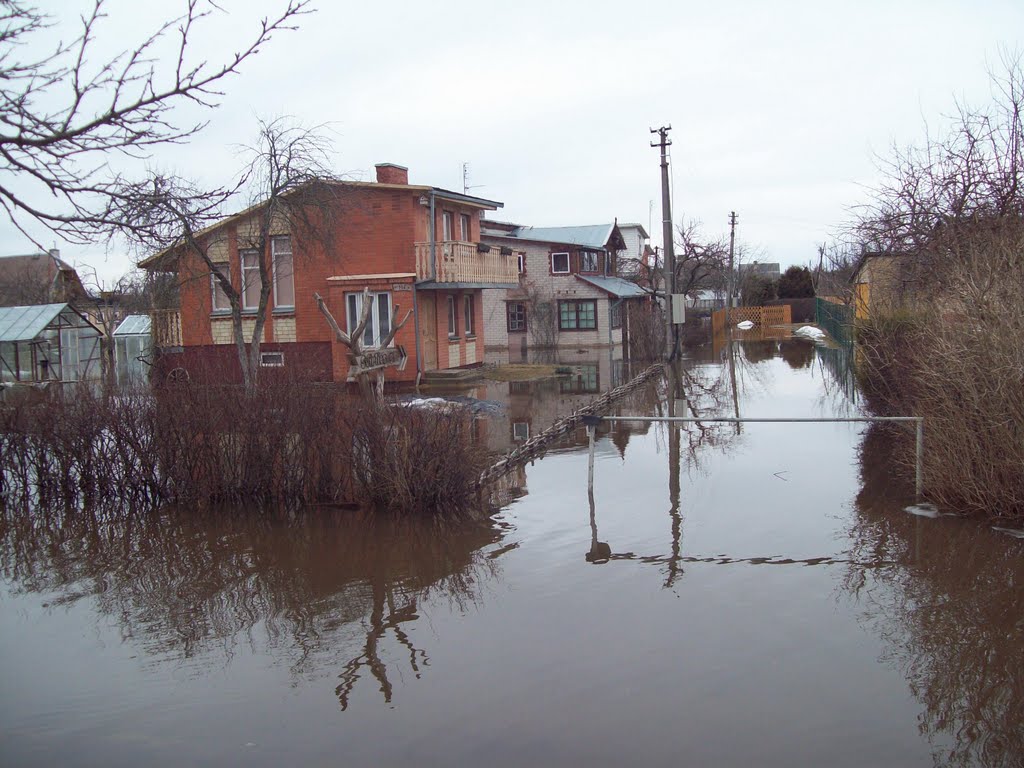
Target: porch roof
x,y
616,286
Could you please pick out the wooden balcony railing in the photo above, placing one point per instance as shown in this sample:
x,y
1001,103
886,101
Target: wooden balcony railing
x,y
459,262
166,328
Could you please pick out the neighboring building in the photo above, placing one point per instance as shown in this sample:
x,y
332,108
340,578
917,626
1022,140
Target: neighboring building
x,y
412,245
570,293
770,270
880,281
706,298
39,278
46,343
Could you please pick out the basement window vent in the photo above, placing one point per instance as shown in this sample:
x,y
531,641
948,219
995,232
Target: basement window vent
x,y
272,359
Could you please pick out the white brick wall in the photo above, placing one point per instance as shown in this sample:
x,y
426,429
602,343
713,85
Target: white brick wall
x,y
284,329
220,329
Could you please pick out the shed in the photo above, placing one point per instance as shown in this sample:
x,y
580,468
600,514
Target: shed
x,y
133,349
46,343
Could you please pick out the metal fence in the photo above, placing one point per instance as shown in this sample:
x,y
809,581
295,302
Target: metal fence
x,y
835,319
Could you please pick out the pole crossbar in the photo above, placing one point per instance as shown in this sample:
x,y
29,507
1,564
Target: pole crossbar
x,y
917,420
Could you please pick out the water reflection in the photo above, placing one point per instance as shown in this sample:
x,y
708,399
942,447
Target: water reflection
x,y
948,610
324,589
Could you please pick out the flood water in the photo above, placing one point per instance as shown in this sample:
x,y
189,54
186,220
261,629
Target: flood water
x,y
757,597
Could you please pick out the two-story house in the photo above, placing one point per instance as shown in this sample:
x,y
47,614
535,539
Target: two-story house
x,y
569,293
415,246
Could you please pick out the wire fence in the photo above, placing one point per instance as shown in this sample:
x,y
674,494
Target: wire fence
x,y
835,319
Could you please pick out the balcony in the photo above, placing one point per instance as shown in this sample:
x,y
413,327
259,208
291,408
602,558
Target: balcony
x,y
166,328
459,262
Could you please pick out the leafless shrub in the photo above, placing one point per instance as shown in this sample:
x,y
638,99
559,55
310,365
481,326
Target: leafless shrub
x,y
415,461
198,445
959,362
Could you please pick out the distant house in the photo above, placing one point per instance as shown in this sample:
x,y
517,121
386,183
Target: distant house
x,y
706,298
770,270
880,281
39,278
570,293
45,343
408,244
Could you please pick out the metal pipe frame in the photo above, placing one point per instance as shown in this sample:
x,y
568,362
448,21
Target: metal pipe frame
x,y
917,420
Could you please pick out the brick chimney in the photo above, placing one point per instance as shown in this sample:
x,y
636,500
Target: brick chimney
x,y
389,173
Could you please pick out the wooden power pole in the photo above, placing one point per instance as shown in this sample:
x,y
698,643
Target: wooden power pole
x,y
732,270
666,232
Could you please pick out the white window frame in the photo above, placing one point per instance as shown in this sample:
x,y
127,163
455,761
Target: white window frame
x,y
447,225
241,259
453,319
216,290
274,241
521,257
519,434
465,227
560,271
467,313
273,359
374,326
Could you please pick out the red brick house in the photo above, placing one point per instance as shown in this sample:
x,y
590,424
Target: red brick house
x,y
411,245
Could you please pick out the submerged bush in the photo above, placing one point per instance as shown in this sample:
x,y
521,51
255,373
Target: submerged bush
x,y
958,360
295,444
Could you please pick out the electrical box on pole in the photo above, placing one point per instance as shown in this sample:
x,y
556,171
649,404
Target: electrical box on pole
x,y
678,308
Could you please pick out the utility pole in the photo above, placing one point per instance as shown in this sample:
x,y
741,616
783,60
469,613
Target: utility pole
x,y
732,272
666,231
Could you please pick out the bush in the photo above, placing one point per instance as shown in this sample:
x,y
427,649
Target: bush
x,y
958,361
196,445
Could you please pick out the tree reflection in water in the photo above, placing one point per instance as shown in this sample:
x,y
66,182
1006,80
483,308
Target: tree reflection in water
x,y
184,584
948,609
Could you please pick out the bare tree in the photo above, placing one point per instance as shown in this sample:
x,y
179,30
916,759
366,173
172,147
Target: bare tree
x,y
292,192
101,108
934,194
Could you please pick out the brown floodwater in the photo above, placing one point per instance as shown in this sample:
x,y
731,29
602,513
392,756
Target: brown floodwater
x,y
734,596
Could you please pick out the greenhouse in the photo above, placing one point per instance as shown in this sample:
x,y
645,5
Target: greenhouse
x,y
133,345
47,343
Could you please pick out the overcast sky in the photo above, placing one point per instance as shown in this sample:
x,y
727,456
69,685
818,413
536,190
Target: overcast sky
x,y
777,108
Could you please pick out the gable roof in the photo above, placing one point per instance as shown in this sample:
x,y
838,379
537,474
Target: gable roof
x,y
155,261
38,270
25,323
589,236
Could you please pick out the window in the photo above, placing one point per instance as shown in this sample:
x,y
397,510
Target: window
x,y
220,299
577,315
250,279
448,225
464,224
284,278
560,263
588,261
467,306
516,313
453,319
615,314
272,359
379,324
521,258
520,431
